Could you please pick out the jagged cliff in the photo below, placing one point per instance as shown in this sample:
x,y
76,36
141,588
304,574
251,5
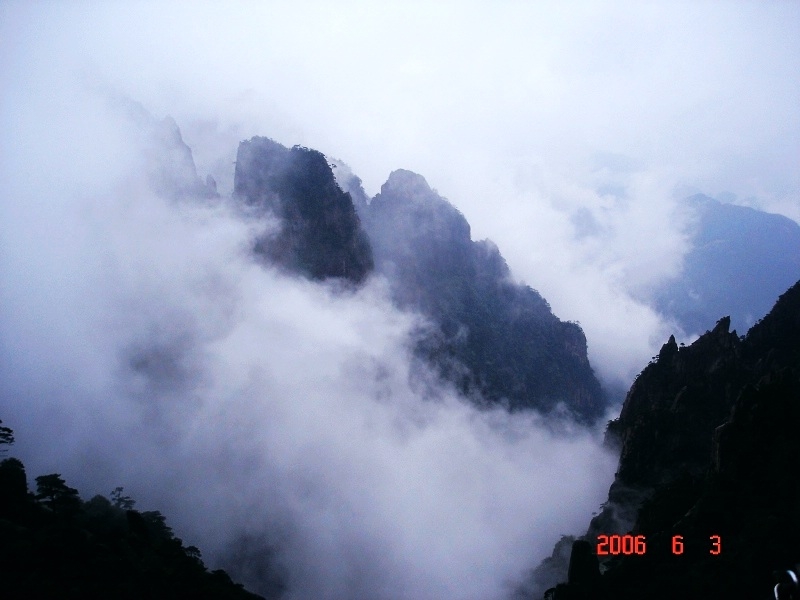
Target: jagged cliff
x,y
670,412
709,440
495,338
320,234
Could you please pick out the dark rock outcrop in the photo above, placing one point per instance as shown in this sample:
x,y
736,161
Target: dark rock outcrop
x,y
496,339
673,407
583,576
320,235
710,446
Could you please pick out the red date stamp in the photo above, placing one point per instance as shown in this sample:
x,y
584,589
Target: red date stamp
x,y
614,545
620,544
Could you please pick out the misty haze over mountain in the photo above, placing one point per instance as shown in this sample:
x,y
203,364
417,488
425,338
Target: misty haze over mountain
x,y
279,406
285,424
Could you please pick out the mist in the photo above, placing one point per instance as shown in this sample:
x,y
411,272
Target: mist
x,y
271,417
282,425
563,133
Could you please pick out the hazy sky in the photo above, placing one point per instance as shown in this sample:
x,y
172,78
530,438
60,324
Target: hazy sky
x,y
529,116
565,132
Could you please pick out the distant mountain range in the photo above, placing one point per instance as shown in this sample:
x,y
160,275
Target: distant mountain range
x,y
740,260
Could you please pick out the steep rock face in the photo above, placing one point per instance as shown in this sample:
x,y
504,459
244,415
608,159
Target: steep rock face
x,y
673,408
320,235
352,184
496,340
741,259
670,412
710,446
494,337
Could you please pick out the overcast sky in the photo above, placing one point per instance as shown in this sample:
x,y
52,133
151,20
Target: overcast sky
x,y
523,114
564,131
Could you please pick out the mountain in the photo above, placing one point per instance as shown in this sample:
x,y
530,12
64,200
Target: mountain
x,y
493,337
496,340
168,160
171,165
740,260
709,451
320,234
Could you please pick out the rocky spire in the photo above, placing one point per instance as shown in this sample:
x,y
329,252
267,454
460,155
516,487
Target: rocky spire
x,y
320,233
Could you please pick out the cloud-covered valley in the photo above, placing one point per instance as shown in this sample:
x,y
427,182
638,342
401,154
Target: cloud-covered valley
x,y
284,426
276,420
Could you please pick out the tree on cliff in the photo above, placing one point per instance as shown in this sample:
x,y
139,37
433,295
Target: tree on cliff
x,y
54,545
6,436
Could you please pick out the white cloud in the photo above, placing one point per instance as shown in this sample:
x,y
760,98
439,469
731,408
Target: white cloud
x,y
562,132
143,347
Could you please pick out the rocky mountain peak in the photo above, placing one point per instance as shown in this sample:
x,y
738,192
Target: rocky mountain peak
x,y
321,235
497,340
709,450
670,412
407,185
407,208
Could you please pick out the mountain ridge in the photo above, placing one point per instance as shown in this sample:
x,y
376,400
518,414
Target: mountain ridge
x,y
739,261
496,340
516,351
708,447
